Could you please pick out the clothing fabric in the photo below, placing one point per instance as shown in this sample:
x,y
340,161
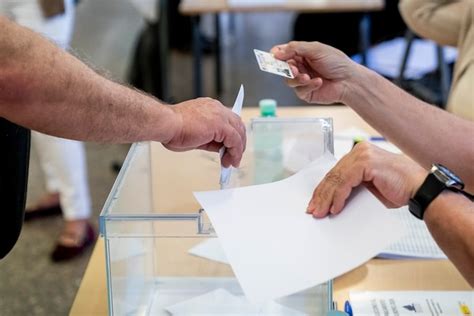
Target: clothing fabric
x,y
448,22
62,161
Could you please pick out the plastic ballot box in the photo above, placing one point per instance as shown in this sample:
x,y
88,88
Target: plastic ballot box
x,y
160,258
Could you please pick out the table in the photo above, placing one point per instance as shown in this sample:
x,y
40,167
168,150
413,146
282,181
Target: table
x,y
377,274
195,8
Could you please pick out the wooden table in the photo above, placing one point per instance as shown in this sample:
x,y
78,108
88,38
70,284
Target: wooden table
x,y
196,8
376,274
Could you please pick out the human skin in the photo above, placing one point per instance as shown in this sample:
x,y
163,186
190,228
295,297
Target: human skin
x,y
46,89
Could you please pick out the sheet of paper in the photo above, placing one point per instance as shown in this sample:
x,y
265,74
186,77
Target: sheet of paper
x,y
344,141
276,249
221,302
210,249
270,64
420,303
237,109
417,242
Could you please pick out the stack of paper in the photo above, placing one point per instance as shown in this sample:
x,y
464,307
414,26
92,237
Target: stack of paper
x,y
420,303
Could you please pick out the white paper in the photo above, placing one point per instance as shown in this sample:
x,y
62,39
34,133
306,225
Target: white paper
x,y
386,58
419,303
417,242
221,302
237,109
276,249
210,249
344,141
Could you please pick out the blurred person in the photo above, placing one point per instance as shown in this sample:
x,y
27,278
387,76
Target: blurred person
x,y
62,161
48,90
427,134
448,22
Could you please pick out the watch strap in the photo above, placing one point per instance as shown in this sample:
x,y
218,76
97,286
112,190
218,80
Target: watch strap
x,y
428,191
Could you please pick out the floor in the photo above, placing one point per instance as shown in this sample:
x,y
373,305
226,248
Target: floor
x,y
30,284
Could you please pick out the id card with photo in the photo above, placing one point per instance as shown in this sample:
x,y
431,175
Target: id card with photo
x,y
270,64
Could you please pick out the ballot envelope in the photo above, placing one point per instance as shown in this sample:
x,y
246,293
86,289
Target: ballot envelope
x,y
162,253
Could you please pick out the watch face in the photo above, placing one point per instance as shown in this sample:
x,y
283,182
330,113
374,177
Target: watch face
x,y
447,176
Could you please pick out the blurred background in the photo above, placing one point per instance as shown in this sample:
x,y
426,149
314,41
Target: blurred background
x,y
119,38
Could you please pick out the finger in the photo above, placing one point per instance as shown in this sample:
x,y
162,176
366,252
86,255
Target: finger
x,y
239,125
212,146
281,52
341,194
304,92
299,80
234,147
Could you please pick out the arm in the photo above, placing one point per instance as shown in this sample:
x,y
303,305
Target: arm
x,y
48,90
438,20
394,179
427,134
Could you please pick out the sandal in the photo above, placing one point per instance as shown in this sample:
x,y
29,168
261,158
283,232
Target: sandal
x,y
63,252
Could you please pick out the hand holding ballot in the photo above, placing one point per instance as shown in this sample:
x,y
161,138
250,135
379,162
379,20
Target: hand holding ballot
x,y
392,178
206,124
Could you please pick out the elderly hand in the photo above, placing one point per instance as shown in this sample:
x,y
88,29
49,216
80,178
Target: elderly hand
x,y
206,124
392,178
321,72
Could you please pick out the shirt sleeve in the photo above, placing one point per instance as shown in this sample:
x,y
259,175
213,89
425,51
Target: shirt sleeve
x,y
438,20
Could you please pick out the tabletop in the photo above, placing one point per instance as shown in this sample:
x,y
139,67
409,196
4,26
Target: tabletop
x,y
195,7
377,274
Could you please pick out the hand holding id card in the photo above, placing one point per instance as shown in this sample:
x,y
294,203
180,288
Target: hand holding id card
x,y
270,64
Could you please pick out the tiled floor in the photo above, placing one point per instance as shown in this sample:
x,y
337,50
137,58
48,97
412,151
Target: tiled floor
x,y
106,30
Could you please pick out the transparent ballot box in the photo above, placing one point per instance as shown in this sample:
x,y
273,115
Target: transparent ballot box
x,y
151,222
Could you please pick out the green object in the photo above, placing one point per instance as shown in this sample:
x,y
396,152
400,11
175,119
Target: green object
x,y
358,139
267,107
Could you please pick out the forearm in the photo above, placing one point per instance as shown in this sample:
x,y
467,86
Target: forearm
x,y
423,132
450,219
46,89
439,20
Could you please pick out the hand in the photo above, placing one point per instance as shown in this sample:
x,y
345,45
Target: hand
x,y
392,178
321,72
206,124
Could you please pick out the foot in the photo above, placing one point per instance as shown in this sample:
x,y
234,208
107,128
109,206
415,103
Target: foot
x,y
48,205
74,239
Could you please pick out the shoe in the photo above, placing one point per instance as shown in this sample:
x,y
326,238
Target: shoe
x,y
40,212
63,252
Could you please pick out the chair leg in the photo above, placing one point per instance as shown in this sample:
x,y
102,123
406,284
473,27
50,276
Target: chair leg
x,y
409,38
444,75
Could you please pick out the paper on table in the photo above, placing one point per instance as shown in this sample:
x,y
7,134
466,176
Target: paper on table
x,y
404,303
276,249
344,141
221,302
417,242
237,109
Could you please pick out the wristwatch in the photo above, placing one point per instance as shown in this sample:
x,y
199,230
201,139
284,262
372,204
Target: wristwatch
x,y
440,178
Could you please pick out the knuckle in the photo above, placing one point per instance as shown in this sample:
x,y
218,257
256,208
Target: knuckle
x,y
335,178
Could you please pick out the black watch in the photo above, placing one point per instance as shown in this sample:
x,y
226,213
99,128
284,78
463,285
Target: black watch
x,y
440,178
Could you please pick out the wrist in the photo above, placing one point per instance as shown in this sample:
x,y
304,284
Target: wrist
x,y
166,124
355,85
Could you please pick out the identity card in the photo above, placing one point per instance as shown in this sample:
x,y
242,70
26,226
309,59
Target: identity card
x,y
270,64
